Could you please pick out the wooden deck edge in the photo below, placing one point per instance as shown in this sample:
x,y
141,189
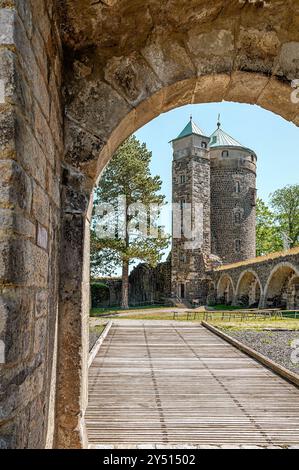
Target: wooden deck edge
x,y
98,343
279,370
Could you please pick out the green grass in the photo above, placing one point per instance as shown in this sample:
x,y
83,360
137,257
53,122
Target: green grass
x,y
256,324
97,312
223,307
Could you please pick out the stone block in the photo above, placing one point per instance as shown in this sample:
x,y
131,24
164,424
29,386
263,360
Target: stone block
x,y
245,87
40,335
289,60
10,221
97,107
212,52
41,303
29,153
15,188
7,127
282,104
40,205
44,136
211,88
16,317
7,26
257,50
168,58
19,390
23,263
132,77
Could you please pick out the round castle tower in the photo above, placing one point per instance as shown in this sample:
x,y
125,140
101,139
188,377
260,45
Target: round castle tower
x,y
233,198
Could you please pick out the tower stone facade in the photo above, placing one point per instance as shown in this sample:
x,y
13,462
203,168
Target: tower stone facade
x,y
191,199
214,185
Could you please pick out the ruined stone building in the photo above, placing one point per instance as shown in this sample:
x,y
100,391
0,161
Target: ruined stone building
x,y
214,178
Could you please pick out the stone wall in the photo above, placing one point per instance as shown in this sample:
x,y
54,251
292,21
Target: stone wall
x,y
264,277
109,297
31,148
149,285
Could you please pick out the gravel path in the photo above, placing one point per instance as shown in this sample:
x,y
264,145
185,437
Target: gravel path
x,y
274,344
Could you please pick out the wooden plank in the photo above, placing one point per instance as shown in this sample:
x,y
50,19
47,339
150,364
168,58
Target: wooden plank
x,y
173,384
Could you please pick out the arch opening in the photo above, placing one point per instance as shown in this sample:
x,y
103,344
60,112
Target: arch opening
x,y
225,290
282,287
248,290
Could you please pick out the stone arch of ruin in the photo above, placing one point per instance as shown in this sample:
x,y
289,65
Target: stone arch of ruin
x,y
278,285
225,290
75,87
249,291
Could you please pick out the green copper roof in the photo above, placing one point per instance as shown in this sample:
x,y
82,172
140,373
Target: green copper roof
x,y
219,138
189,129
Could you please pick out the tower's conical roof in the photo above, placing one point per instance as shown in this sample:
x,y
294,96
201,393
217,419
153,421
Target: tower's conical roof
x,y
219,138
189,129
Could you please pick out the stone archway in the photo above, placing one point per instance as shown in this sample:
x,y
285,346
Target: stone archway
x,y
225,290
249,290
122,64
279,286
293,293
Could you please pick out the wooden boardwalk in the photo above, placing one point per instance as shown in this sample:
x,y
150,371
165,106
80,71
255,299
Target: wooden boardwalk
x,y
174,384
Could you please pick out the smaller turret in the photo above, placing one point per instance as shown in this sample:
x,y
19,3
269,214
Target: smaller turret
x,y
233,197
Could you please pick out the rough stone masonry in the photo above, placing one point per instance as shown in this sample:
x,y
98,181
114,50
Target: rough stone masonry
x,y
79,77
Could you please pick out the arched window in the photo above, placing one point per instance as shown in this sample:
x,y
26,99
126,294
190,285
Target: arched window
x,y
225,153
204,145
237,187
183,179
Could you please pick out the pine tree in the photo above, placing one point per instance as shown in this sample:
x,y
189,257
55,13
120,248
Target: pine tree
x,y
128,175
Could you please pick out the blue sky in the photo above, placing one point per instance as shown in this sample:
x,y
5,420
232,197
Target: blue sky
x,y
275,141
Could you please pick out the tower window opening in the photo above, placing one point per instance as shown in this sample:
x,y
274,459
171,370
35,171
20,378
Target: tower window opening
x,y
237,246
252,158
182,203
183,179
183,257
204,145
237,187
225,153
237,217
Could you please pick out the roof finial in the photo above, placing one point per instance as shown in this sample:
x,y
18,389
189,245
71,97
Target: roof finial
x,y
218,123
190,117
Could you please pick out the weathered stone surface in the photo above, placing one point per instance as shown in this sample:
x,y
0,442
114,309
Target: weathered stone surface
x,y
7,19
15,328
15,189
16,224
212,51
168,58
23,263
132,77
289,60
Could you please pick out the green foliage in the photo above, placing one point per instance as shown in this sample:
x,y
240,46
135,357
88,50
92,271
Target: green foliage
x,y
128,174
268,238
99,293
285,205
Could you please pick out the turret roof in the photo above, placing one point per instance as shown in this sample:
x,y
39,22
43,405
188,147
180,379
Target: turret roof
x,y
189,129
219,138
